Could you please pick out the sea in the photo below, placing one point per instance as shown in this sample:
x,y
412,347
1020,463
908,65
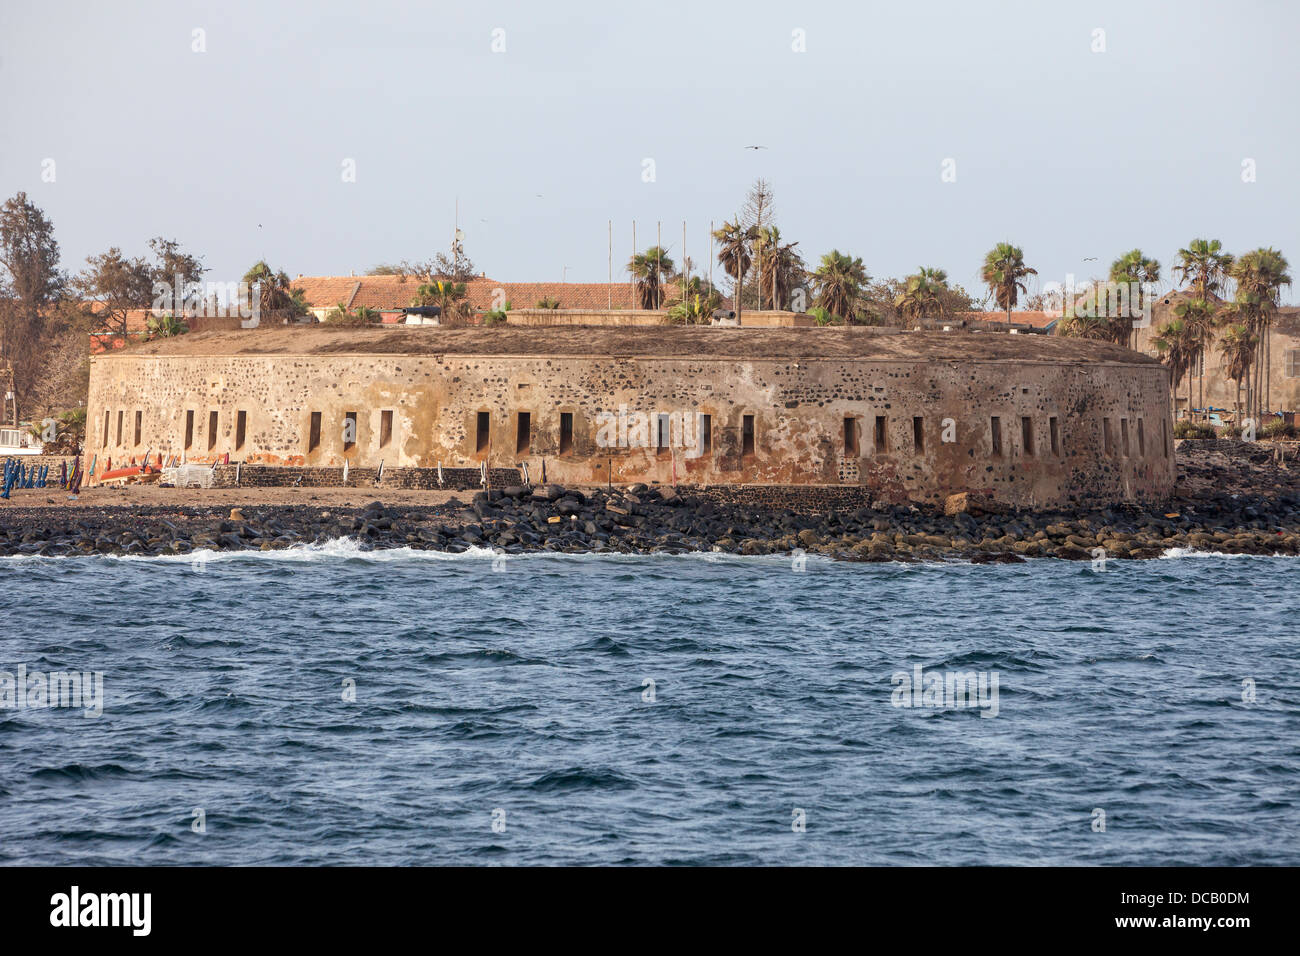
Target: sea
x,y
328,705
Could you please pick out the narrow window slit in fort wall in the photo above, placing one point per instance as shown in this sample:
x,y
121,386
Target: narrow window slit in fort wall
x,y
189,428
1107,439
995,429
1027,435
385,427
484,422
706,434
212,430
523,433
1055,428
241,429
850,437
918,434
1142,441
566,433
313,435
105,432
120,413
747,435
1123,436
881,435
139,425
349,431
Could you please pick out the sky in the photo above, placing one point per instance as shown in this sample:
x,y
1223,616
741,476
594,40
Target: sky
x,y
332,136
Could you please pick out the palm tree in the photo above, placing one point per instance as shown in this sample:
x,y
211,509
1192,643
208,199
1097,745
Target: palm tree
x,y
1176,343
922,295
451,298
276,293
1205,265
779,267
838,282
650,269
1135,270
1259,275
1200,319
1004,271
1084,325
1237,346
734,253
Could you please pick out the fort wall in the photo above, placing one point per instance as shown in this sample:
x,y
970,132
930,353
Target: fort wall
x,y
1026,429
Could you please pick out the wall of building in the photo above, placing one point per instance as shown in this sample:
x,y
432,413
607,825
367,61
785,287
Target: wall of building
x,y
1220,391
798,411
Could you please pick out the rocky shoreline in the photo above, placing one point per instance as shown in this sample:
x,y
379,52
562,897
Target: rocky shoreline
x,y
1235,501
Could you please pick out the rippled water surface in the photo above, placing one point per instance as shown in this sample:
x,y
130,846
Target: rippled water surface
x,y
522,692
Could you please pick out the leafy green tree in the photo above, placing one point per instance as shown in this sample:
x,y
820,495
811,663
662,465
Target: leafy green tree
x,y
30,283
118,284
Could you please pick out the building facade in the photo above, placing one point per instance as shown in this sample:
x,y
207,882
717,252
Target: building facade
x,y
1029,420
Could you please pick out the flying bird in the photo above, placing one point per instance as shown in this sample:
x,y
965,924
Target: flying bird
x,y
1090,259
755,147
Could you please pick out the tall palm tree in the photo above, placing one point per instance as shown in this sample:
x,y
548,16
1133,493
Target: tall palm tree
x,y
650,269
1177,346
838,281
734,255
1004,272
1204,266
779,267
1260,275
922,295
1133,268
1200,318
1237,346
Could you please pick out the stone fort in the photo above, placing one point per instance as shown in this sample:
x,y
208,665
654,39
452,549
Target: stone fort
x,y
1027,420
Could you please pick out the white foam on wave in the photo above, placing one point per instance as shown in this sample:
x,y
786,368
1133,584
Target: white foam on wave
x,y
350,549
1172,553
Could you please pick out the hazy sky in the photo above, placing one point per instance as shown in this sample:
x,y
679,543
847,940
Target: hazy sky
x,y
240,151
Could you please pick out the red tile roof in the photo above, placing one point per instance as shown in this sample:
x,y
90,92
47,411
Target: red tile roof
x,y
395,292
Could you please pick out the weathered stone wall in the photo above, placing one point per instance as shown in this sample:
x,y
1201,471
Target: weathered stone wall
x,y
798,410
423,479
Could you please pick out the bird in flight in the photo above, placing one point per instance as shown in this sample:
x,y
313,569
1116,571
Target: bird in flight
x,y
1090,259
755,147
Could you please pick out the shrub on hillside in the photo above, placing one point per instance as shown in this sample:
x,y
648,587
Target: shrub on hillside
x,y
1186,429
1278,430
